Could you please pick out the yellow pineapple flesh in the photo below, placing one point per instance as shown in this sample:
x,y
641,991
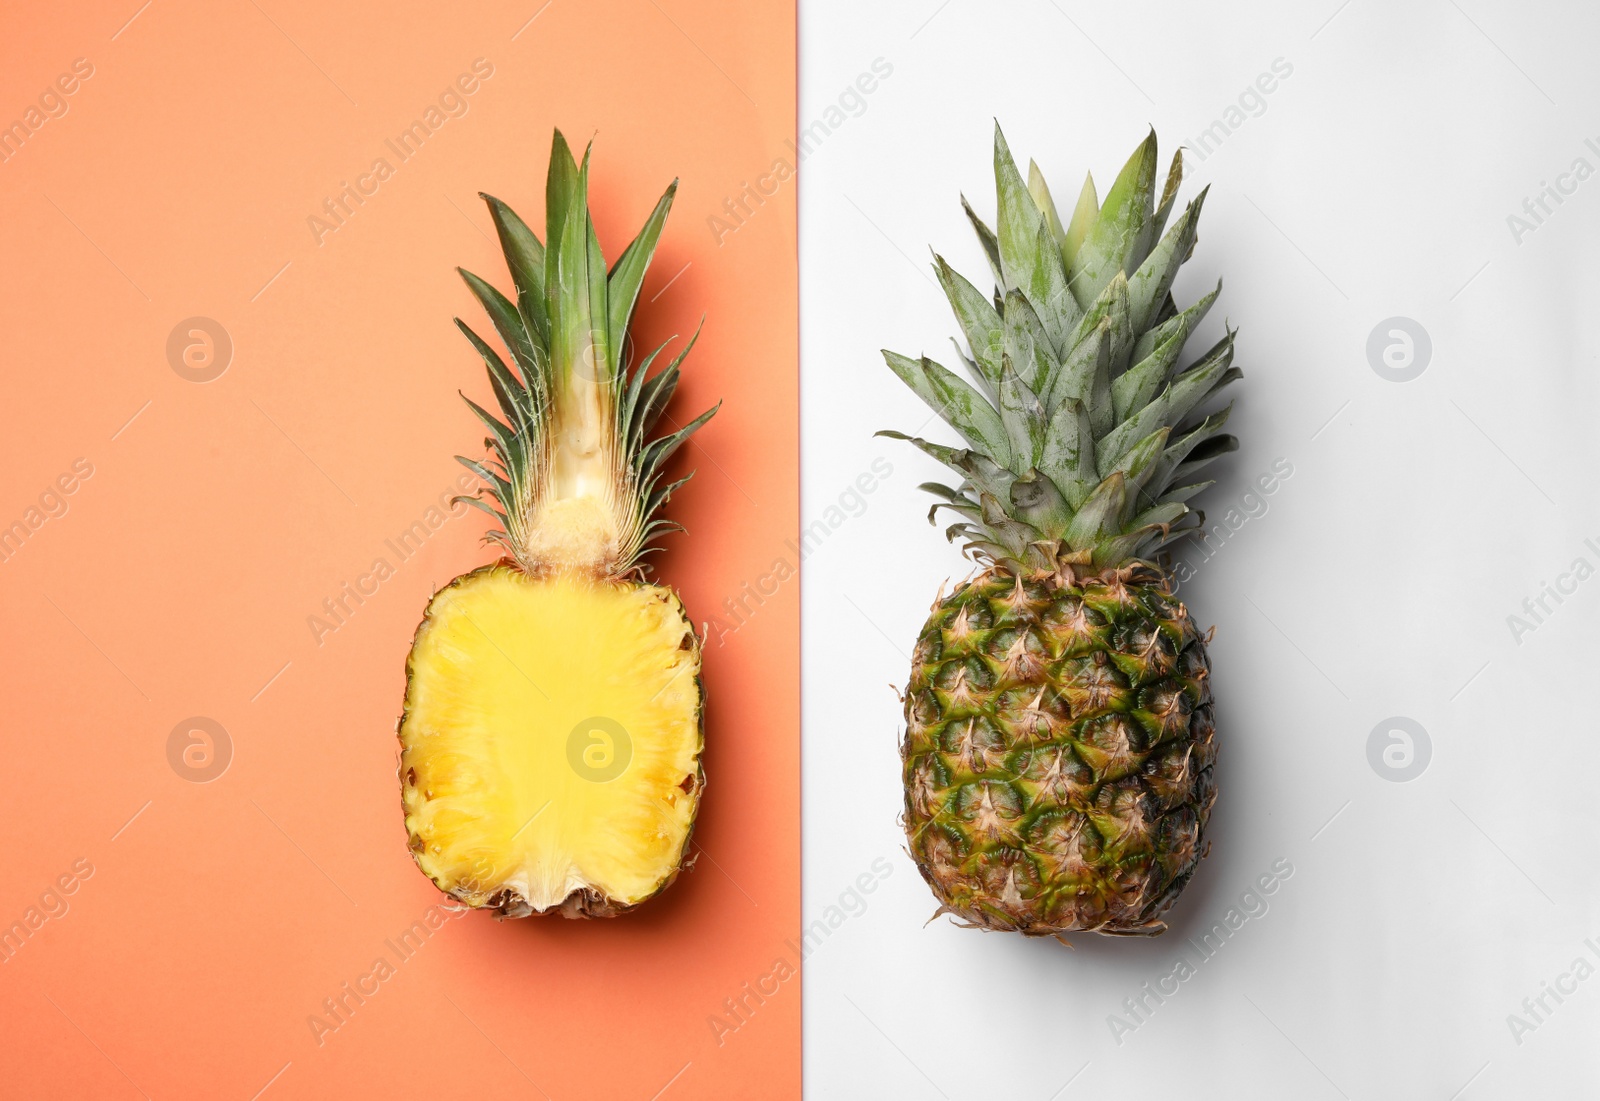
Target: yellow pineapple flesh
x,y
554,741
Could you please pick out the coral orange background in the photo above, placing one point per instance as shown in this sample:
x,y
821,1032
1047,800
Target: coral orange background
x,y
219,516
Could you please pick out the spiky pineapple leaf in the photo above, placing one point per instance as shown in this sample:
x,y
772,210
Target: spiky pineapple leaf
x,y
986,238
516,400
1112,244
1085,377
1084,214
1029,255
1169,195
1182,394
524,254
1083,434
567,281
1148,287
1189,320
1140,463
977,318
1038,503
1047,205
962,407
1100,515
1068,457
560,189
622,288
658,390
1028,346
1133,389
509,323
1022,417
1018,224
602,360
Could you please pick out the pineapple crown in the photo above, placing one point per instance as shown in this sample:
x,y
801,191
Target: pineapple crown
x,y
574,474
1083,435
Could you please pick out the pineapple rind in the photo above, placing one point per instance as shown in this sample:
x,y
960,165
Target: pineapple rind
x,y
1059,750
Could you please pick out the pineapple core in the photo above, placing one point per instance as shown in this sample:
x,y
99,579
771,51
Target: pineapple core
x,y
578,532
552,739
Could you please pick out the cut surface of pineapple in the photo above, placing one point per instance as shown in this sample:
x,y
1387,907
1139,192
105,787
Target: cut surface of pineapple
x,y
551,741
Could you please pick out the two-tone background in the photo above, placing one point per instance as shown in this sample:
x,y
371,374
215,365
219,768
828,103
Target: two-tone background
x,y
1403,568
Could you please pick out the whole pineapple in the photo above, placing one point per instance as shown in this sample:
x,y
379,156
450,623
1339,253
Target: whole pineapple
x,y
1059,743
551,738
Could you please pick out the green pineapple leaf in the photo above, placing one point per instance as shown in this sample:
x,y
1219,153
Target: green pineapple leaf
x,y
978,319
1112,244
525,257
1084,215
1133,389
1148,287
1022,416
1047,205
986,238
1083,435
1026,343
1068,457
1188,320
622,288
508,322
958,404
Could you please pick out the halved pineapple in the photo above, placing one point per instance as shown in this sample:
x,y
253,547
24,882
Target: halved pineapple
x,y
554,738
551,738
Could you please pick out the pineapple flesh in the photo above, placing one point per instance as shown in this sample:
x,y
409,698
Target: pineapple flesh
x,y
553,721
1059,747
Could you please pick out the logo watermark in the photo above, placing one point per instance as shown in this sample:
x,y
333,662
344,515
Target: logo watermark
x,y
1399,349
199,749
199,349
599,749
1399,749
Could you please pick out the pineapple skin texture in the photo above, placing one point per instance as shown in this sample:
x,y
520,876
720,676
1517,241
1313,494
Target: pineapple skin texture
x,y
1059,751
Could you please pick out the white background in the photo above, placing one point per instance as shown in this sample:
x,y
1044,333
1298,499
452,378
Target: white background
x,y
1376,182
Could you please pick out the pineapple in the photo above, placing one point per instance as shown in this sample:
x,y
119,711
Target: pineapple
x,y
1059,745
552,730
